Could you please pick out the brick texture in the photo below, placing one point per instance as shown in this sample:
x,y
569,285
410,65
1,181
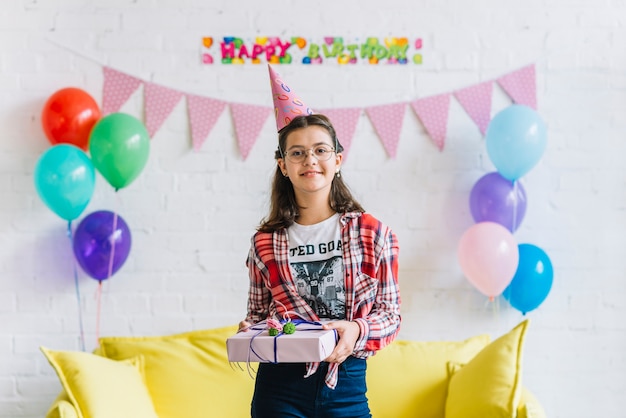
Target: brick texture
x,y
192,213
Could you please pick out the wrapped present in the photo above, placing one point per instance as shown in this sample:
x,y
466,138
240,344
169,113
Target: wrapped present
x,y
309,343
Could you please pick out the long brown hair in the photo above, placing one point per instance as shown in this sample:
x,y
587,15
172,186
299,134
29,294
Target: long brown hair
x,y
283,207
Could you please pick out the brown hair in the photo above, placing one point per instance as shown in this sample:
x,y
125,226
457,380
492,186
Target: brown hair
x,y
283,206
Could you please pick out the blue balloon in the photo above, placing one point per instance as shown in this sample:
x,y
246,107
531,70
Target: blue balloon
x,y
516,140
65,179
532,281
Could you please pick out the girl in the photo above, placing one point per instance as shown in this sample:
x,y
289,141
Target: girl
x,y
319,254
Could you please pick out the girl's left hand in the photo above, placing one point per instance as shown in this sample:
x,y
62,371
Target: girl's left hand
x,y
349,332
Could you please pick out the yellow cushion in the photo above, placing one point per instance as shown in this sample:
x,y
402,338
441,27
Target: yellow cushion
x,y
409,378
530,406
99,387
188,375
490,384
62,407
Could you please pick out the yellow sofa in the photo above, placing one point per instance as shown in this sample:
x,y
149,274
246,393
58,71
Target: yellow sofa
x,y
188,376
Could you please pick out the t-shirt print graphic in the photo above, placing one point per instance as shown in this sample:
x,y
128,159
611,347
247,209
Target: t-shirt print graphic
x,y
321,284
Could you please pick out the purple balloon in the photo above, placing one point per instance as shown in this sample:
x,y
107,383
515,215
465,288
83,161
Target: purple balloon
x,y
96,240
496,199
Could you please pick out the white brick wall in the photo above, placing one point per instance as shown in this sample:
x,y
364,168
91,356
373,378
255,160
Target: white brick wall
x,y
192,214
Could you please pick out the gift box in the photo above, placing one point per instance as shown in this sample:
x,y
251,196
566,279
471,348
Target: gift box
x,y
305,345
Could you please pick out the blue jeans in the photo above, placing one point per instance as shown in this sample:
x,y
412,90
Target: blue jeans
x,y
281,391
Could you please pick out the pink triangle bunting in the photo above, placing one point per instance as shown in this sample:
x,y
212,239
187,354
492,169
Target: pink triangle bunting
x,y
159,103
117,89
249,120
203,114
476,100
387,119
433,113
521,86
344,121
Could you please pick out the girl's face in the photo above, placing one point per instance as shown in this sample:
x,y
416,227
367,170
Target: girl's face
x,y
304,160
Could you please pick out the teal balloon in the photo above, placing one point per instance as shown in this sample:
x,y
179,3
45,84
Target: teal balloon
x,y
65,180
532,281
516,139
119,145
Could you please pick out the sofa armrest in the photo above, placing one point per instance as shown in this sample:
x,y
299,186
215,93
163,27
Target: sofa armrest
x,y
62,407
529,406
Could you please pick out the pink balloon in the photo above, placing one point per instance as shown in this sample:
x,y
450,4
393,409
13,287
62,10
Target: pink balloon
x,y
488,255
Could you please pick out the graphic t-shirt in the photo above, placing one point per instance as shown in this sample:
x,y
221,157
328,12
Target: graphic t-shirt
x,y
316,261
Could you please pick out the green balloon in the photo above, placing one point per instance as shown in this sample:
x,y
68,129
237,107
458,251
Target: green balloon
x,y
119,145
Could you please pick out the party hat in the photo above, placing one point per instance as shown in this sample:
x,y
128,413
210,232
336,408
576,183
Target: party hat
x,y
286,104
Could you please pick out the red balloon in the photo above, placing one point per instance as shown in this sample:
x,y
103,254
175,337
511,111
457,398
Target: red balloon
x,y
68,116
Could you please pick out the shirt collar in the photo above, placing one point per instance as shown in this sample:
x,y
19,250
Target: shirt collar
x,y
345,218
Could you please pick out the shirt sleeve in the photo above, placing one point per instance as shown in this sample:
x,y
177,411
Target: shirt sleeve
x,y
380,322
259,296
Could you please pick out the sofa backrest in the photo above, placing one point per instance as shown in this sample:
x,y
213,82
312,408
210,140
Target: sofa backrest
x,y
188,375
410,378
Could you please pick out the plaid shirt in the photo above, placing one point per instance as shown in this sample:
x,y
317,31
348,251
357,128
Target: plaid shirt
x,y
370,256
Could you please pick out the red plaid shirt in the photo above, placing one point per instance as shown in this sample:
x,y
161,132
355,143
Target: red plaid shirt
x,y
370,257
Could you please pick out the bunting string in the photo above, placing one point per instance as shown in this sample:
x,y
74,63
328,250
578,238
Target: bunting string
x,y
248,119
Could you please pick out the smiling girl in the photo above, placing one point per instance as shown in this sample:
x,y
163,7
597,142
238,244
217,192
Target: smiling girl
x,y
350,286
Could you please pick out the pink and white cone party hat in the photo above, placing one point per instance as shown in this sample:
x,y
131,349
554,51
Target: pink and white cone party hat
x,y
287,105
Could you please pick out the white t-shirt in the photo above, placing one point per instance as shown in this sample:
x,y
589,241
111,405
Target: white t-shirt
x,y
316,262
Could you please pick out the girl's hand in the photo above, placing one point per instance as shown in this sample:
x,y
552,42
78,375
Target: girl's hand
x,y
349,332
243,326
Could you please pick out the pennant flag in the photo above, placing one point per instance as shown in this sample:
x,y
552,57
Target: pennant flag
x,y
248,120
159,103
521,86
476,100
203,114
116,89
344,121
387,119
433,113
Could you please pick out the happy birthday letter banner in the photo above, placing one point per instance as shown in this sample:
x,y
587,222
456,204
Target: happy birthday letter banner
x,y
296,49
248,119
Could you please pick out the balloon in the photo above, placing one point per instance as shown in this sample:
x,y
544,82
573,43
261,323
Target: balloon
x,y
516,140
100,236
119,146
532,281
65,180
496,199
488,256
68,117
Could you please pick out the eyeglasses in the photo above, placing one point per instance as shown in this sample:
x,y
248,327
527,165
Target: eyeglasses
x,y
321,153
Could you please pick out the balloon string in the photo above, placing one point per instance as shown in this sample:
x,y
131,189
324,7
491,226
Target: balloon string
x,y
77,289
496,308
112,240
493,303
99,310
514,206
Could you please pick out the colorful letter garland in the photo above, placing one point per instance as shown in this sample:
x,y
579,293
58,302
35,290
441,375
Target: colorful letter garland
x,y
274,50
